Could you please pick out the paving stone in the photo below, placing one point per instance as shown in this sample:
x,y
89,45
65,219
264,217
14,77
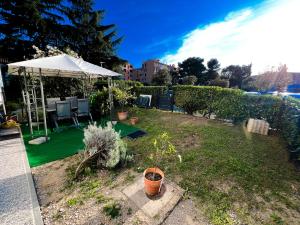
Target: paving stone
x,y
18,201
153,210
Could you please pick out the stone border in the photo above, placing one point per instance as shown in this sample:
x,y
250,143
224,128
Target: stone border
x,y
36,213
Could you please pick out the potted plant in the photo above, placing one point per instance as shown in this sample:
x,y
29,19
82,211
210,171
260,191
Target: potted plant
x,y
122,96
154,176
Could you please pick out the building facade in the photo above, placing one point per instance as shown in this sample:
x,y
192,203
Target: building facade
x,y
127,70
147,72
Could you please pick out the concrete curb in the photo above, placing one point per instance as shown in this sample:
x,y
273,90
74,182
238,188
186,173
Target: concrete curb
x,y
36,213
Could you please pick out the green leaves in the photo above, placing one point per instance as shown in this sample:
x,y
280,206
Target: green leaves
x,y
163,149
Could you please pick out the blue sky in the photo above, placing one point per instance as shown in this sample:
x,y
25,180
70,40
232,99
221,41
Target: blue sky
x,y
234,31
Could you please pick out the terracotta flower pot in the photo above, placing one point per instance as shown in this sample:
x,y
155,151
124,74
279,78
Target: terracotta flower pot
x,y
122,115
134,120
152,187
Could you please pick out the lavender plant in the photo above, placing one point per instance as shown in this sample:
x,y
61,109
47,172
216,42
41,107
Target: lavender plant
x,y
103,148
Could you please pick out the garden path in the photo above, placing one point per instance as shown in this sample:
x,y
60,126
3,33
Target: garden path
x,y
18,200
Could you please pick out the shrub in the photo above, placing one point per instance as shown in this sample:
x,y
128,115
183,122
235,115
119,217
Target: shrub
x,y
208,100
122,96
103,148
155,91
112,209
99,102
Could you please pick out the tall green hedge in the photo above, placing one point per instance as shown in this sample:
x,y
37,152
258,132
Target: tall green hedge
x,y
155,91
100,84
225,103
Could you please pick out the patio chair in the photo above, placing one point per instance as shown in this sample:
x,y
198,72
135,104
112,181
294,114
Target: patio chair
x,y
51,103
84,109
64,112
73,101
144,101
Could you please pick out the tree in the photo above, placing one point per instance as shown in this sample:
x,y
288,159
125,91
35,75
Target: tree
x,y
189,80
213,66
282,78
219,83
274,79
175,76
162,77
93,41
70,23
25,23
193,66
236,74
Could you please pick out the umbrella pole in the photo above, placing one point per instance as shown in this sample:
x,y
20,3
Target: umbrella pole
x,y
43,104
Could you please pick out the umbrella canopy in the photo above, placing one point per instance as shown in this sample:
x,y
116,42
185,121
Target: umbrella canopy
x,y
61,66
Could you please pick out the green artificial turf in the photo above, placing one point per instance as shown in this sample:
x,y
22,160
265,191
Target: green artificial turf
x,y
62,144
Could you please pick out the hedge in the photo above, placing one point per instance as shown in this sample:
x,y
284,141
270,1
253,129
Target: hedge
x,y
282,114
129,83
155,91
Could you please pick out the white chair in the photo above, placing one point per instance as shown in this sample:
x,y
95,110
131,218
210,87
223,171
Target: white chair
x,y
63,112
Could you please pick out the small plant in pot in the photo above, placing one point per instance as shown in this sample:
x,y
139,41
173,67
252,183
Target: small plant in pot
x,y
154,176
122,96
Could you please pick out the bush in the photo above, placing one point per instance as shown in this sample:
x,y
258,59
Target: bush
x,y
209,100
122,96
155,91
99,103
107,141
104,148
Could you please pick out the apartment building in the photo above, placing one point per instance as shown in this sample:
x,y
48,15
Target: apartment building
x,y
127,70
149,68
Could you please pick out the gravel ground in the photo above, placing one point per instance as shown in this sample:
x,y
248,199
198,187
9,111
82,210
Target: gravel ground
x,y
185,213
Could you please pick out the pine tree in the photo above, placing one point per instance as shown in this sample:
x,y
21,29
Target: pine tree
x,y
93,41
24,23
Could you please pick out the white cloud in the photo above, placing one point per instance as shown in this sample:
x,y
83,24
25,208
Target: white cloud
x,y
265,36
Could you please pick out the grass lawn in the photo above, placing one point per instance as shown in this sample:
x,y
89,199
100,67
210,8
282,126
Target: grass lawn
x,y
234,177
62,144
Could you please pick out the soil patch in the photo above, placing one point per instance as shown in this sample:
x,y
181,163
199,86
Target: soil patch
x,y
93,200
184,120
153,176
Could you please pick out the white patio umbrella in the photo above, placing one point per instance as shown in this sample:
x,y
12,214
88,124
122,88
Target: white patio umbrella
x,y
56,66
62,66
